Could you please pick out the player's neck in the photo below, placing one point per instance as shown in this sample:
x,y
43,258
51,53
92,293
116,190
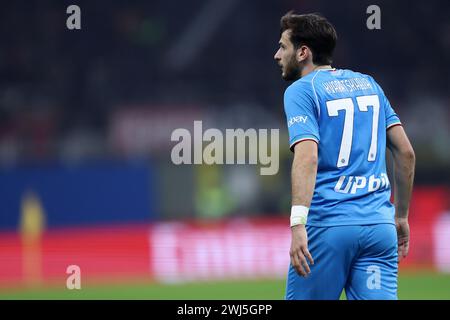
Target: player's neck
x,y
313,67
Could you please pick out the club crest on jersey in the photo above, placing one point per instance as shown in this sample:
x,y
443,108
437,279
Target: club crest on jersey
x,y
351,184
297,119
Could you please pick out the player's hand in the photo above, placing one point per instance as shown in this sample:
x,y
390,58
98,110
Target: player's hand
x,y
403,237
299,250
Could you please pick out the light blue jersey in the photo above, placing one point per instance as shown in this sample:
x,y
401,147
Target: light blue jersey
x,y
347,114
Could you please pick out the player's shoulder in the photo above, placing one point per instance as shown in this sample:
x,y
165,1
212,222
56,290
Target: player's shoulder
x,y
301,86
357,74
348,73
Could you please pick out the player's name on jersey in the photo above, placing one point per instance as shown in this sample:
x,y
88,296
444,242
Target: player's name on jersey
x,y
346,85
351,184
216,147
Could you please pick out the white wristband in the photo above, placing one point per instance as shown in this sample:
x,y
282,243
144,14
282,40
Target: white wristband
x,y
299,215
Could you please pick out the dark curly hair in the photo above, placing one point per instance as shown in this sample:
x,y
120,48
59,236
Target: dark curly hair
x,y
313,31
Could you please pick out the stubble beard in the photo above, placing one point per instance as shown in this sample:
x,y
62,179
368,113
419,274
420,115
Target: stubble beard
x,y
292,71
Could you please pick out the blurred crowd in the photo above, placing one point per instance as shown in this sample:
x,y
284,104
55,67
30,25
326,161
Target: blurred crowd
x,y
67,95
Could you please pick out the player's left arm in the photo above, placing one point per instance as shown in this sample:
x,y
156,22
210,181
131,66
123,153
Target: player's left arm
x,y
303,177
404,165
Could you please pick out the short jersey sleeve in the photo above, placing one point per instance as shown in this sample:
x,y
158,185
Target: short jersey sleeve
x,y
301,114
392,118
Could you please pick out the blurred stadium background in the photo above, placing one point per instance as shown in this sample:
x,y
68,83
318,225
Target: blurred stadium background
x,y
85,122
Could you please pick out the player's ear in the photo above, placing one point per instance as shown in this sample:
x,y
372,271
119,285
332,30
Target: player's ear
x,y
302,53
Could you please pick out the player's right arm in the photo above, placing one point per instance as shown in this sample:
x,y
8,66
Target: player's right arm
x,y
404,163
304,137
303,177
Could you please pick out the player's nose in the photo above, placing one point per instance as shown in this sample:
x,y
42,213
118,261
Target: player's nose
x,y
277,55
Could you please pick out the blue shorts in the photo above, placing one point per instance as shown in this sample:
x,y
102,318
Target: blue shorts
x,y
360,259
